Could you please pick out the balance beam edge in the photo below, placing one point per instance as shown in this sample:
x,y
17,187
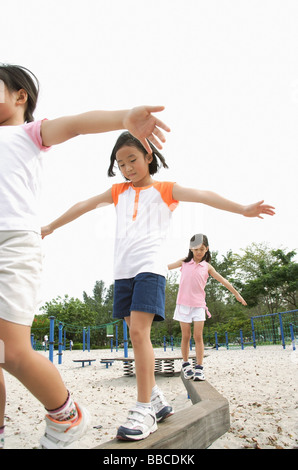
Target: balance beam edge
x,y
195,427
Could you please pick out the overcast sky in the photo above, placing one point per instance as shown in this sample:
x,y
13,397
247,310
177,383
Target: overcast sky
x,y
227,73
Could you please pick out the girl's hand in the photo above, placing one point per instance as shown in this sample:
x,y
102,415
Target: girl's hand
x,y
143,125
254,210
240,299
46,230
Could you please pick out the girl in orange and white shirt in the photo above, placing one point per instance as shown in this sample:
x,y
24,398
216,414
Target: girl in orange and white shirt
x,y
144,208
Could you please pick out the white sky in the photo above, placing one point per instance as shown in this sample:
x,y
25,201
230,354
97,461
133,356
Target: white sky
x,y
227,72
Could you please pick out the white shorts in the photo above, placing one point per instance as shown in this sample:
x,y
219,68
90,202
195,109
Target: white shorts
x,y
189,314
20,275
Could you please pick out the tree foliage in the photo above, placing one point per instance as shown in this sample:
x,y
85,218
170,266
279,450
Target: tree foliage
x,y
266,278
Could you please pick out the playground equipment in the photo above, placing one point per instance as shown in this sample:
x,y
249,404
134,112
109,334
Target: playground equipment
x,y
86,331
275,328
163,365
83,361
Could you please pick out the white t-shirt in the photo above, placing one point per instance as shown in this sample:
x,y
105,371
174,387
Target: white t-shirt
x,y
20,176
143,221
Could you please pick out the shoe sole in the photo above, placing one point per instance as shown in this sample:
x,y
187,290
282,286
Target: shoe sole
x,y
162,418
122,436
165,412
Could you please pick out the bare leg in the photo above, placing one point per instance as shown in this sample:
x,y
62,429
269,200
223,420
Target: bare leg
x,y
198,337
35,372
186,334
139,329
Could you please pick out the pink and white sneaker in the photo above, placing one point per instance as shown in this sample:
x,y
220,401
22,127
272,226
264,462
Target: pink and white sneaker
x,y
60,434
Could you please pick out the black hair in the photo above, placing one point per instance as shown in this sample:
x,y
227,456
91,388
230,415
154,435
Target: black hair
x,y
207,256
17,77
127,139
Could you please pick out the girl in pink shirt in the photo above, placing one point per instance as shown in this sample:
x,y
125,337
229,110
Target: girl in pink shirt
x,y
191,304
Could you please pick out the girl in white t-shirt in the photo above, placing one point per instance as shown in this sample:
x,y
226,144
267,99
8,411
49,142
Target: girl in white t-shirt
x,y
21,144
144,209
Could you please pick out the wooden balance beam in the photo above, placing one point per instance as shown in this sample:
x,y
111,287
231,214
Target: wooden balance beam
x,y
195,427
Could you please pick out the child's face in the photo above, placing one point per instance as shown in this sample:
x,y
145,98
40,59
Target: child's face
x,y
199,252
2,91
7,104
134,165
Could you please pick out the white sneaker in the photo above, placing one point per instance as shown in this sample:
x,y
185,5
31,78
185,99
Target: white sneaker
x,y
199,373
60,434
187,370
139,425
160,406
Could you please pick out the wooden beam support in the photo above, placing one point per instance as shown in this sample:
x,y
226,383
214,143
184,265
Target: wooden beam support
x,y
195,427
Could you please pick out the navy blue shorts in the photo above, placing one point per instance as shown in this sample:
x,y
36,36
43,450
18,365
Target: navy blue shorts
x,y
143,293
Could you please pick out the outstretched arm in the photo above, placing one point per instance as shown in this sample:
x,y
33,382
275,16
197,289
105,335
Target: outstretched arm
x,y
226,283
138,121
215,200
77,210
175,265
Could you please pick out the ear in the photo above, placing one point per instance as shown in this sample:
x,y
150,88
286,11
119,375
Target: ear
x,y
22,96
149,157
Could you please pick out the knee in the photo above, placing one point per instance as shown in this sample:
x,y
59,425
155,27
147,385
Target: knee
x,y
186,336
139,337
136,336
13,359
198,337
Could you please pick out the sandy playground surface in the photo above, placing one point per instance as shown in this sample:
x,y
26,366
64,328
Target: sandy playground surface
x,y
260,384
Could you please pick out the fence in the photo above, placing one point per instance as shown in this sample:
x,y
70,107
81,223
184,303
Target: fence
x,y
86,331
276,328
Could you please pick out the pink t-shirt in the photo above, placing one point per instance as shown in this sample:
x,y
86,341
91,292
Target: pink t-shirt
x,y
192,285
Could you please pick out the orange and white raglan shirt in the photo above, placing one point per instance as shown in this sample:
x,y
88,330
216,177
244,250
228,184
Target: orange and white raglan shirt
x,y
143,220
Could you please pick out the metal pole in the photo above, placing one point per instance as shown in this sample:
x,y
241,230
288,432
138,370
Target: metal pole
x,y
88,339
227,341
241,339
292,337
125,340
216,341
51,343
282,331
60,343
253,332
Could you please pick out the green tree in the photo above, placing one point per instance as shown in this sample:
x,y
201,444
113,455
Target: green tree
x,y
73,313
270,278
